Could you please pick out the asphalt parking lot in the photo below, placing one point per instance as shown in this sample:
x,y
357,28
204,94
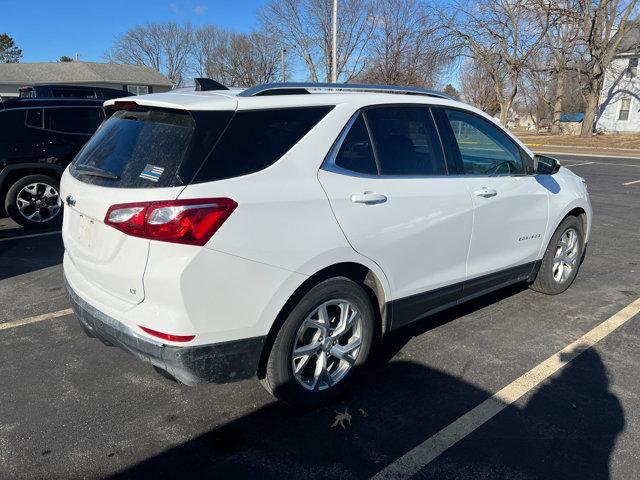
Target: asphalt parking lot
x,y
73,408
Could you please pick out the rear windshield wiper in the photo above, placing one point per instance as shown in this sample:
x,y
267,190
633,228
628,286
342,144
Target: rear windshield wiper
x,y
96,172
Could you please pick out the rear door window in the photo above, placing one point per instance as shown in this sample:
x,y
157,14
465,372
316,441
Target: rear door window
x,y
75,120
256,139
405,141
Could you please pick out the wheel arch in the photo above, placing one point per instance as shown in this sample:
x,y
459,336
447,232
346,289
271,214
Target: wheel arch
x,y
357,272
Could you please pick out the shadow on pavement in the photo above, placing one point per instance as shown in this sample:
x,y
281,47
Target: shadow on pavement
x,y
566,429
23,255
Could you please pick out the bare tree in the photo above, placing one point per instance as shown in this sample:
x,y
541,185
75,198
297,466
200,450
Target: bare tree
x,y
477,87
165,47
500,35
304,27
406,47
548,68
603,25
237,59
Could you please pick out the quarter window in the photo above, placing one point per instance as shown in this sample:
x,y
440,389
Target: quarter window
x,y
256,139
405,141
34,118
356,153
625,107
483,148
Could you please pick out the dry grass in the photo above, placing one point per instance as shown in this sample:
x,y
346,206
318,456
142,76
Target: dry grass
x,y
626,141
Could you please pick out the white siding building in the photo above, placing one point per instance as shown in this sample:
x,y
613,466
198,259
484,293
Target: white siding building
x,y
133,78
619,109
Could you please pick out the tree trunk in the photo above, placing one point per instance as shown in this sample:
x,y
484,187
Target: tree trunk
x,y
592,100
504,112
557,104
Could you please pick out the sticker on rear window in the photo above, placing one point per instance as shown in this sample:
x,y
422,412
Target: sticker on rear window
x,y
151,172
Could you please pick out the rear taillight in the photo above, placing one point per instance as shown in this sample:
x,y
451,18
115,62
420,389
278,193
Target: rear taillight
x,y
168,336
192,221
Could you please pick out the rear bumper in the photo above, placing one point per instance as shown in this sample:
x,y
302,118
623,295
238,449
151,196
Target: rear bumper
x,y
215,363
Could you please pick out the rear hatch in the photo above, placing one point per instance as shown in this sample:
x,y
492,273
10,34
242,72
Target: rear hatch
x,y
139,154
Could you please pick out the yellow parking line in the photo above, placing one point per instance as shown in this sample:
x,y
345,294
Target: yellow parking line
x,y
414,460
37,318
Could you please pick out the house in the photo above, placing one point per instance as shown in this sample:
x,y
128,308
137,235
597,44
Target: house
x,y
619,109
133,78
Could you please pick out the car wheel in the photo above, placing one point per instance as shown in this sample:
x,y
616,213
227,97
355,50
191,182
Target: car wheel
x,y
322,343
562,258
34,201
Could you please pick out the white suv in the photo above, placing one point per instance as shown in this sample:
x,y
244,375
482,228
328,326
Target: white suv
x,y
281,231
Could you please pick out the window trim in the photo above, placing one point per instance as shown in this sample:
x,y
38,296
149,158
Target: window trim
x,y
527,161
329,162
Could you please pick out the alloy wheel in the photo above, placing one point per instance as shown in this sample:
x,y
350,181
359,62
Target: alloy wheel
x,y
327,345
565,259
38,202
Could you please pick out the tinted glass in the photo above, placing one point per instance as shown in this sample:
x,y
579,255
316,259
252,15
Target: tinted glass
x,y
80,120
34,118
255,140
405,141
69,93
356,153
142,148
484,148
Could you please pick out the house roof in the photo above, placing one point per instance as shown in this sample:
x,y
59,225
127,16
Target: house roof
x,y
630,43
572,117
79,72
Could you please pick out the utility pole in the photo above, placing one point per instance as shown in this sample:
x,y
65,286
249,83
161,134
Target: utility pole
x,y
284,72
334,46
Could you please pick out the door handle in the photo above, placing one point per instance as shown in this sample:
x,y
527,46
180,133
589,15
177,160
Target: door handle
x,y
485,192
369,198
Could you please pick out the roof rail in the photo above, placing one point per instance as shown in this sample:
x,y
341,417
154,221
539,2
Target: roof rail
x,y
293,88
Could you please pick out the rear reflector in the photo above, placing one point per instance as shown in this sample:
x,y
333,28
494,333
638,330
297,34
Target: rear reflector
x,y
192,221
167,336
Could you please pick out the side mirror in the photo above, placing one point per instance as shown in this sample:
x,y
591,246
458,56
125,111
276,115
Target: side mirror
x,y
544,165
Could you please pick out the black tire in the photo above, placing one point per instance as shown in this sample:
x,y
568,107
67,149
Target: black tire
x,y
11,202
545,281
279,378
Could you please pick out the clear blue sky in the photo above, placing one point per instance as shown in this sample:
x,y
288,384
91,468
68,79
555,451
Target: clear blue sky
x,y
46,30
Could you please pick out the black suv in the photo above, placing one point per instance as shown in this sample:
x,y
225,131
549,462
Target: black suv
x,y
39,137
71,91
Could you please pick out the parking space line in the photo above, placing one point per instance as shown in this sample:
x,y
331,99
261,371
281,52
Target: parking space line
x,y
419,457
37,318
576,164
631,183
29,236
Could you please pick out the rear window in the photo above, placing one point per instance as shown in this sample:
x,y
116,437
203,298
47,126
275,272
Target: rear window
x,y
256,139
141,148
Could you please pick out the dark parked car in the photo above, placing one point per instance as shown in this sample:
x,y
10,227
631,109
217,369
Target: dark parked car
x,y
39,137
71,91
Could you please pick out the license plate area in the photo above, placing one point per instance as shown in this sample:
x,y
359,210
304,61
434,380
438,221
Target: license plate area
x,y
86,231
